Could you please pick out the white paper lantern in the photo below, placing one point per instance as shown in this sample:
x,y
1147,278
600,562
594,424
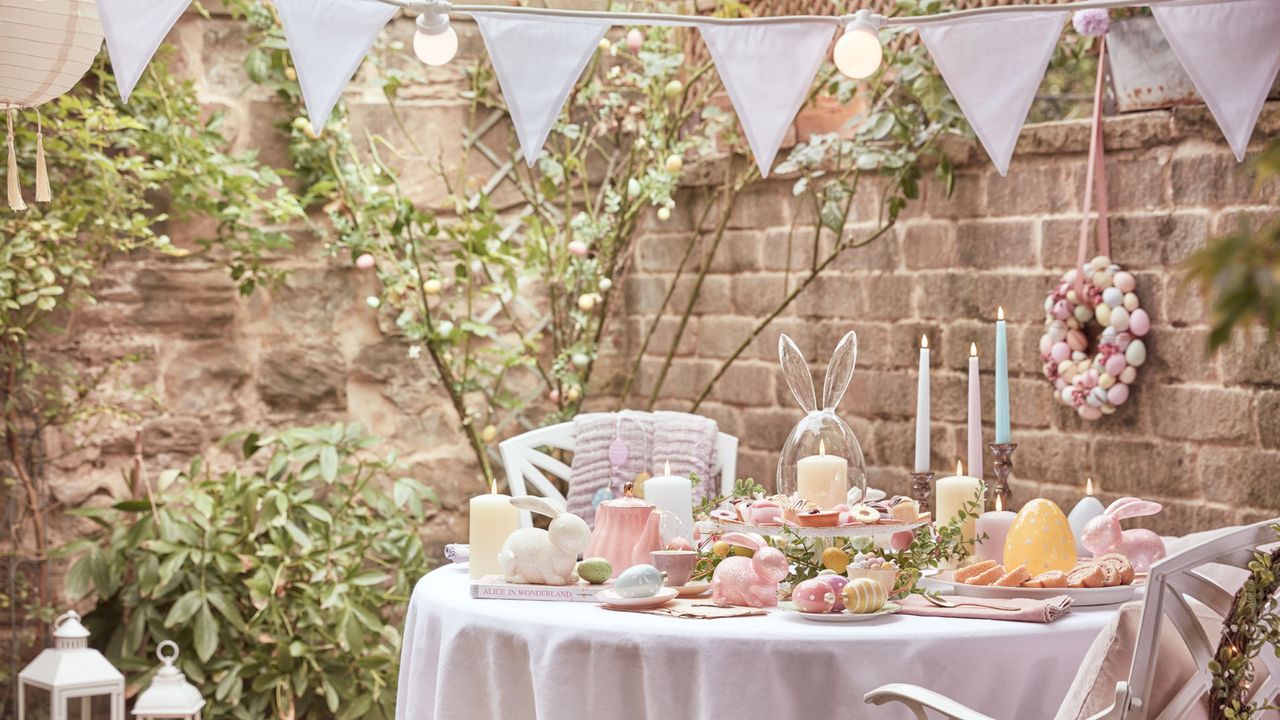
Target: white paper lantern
x,y
71,669
46,46
169,695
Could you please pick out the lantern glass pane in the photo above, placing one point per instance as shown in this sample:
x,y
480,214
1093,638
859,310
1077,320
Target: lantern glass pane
x,y
37,702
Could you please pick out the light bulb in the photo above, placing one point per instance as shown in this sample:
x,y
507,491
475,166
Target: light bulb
x,y
858,53
435,48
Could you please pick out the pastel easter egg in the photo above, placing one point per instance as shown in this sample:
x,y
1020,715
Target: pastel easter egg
x,y
1106,380
813,596
1115,364
601,495
1113,268
1118,394
1048,305
579,248
1119,319
1077,341
864,595
1130,302
1129,375
1041,538
1088,380
1100,262
1097,396
836,583
1072,297
900,541
1139,322
1089,412
1077,356
1122,340
1124,282
1102,279
639,581
1108,409
1059,384
1046,344
1136,353
1070,278
595,570
1066,366
1065,394
1073,323
1060,351
1061,310
635,40
1112,296
1058,330
1083,313
1103,314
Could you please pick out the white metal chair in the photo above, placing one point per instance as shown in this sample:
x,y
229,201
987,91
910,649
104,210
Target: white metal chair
x,y
524,460
1174,582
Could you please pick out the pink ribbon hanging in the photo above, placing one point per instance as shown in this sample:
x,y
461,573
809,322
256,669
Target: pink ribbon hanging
x,y
1095,182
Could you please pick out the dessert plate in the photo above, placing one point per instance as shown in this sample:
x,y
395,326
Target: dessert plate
x,y
613,599
842,616
693,589
1079,596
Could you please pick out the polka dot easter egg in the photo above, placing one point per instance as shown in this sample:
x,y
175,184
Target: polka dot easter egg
x,y
1041,539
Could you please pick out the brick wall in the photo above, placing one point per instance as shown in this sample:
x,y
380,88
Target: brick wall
x,y
1200,433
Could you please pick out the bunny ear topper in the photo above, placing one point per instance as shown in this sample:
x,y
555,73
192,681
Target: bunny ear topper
x,y
796,371
539,505
840,371
1131,507
751,541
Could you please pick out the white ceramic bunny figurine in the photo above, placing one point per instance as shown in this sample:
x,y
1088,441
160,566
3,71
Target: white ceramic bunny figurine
x,y
821,432
749,581
544,557
1103,534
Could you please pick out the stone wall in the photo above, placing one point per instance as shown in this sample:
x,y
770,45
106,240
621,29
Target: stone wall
x,y
1200,433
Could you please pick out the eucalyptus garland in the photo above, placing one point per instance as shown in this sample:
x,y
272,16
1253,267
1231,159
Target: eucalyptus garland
x,y
1252,627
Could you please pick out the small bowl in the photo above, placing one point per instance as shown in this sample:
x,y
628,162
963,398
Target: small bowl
x,y
887,577
818,519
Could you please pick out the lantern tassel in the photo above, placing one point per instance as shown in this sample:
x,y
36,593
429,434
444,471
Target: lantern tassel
x,y
16,203
43,193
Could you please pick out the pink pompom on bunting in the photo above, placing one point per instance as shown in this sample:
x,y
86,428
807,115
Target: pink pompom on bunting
x,y
1092,22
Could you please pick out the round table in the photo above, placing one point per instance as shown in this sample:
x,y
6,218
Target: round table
x,y
469,659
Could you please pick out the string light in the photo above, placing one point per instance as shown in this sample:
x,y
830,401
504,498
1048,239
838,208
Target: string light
x,y
858,53
436,42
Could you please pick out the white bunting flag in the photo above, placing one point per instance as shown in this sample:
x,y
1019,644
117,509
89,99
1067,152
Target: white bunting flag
x,y
328,40
537,61
1231,51
994,65
134,30
767,70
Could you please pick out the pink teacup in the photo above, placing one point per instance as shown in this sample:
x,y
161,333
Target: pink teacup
x,y
677,564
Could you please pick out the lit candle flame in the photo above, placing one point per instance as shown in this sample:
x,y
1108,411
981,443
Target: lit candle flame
x,y
493,487
666,468
1088,487
999,504
959,469
1000,312
924,342
822,447
973,349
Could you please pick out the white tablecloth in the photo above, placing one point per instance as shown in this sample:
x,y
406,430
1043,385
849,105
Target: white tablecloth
x,y
468,659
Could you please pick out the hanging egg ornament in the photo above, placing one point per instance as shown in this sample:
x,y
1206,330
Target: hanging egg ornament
x,y
1041,538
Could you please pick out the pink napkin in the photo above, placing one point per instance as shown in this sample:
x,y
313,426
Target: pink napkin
x,y
1025,609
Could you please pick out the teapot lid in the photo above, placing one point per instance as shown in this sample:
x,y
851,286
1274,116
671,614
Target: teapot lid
x,y
628,499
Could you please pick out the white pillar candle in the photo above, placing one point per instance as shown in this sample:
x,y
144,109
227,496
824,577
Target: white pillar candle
x,y
674,495
822,478
952,494
975,414
492,519
1087,509
922,409
995,525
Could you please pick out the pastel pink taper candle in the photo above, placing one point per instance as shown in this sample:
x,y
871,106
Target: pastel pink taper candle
x,y
975,415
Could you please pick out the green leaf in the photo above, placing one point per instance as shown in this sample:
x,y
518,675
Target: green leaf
x,y
369,577
329,463
184,608
133,506
205,631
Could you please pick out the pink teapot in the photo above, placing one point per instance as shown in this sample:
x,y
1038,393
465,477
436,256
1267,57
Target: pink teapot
x,y
627,530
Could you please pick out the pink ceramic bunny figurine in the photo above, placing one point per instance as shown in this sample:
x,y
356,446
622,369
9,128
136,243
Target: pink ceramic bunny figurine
x,y
1103,535
749,581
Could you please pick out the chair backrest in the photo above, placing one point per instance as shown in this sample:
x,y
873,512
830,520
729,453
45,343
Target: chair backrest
x,y
1175,582
527,464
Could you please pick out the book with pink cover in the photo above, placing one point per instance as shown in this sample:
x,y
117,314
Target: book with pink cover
x,y
493,587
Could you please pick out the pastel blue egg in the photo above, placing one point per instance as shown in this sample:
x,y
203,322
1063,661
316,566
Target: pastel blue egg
x,y
1112,296
601,495
639,581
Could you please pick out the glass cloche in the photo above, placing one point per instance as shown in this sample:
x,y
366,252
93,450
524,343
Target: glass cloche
x,y
822,458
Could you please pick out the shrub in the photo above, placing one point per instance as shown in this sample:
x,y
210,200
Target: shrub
x,y
281,579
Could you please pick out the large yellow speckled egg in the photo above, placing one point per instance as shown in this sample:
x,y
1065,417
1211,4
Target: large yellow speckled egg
x,y
1041,539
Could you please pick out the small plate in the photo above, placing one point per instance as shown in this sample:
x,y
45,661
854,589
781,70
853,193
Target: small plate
x,y
693,589
842,616
611,598
1082,597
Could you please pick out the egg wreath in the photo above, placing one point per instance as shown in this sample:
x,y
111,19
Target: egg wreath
x,y
1094,382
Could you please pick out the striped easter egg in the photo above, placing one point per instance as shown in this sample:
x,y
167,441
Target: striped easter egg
x,y
864,595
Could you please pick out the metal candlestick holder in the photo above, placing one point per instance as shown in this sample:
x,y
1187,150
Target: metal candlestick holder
x,y
921,489
1003,453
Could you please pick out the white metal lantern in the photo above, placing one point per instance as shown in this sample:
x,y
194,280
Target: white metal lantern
x,y
71,669
170,695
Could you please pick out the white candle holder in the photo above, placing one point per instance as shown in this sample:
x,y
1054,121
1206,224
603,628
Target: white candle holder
x,y
809,464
